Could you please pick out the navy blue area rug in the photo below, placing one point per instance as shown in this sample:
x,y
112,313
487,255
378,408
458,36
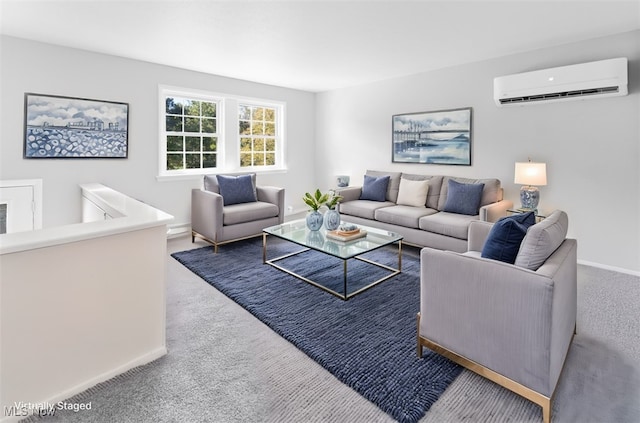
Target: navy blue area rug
x,y
367,342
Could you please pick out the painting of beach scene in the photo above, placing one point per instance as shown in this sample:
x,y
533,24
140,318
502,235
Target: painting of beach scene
x,y
439,137
67,127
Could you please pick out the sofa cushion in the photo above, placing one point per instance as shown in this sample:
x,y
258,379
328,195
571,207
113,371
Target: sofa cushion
x,y
491,192
542,239
448,224
394,183
503,241
375,188
413,193
236,189
463,198
248,212
363,208
402,215
435,185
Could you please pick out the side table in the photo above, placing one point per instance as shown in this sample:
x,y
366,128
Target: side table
x,y
539,217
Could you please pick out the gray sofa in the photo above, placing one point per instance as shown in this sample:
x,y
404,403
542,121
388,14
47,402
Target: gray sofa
x,y
427,225
511,323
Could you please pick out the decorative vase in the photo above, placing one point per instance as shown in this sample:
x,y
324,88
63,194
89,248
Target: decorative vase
x,y
331,220
314,221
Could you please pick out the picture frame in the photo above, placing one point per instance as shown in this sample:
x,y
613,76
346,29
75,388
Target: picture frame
x,y
441,137
58,127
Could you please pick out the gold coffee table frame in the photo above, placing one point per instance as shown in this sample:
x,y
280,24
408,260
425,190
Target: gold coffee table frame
x,y
297,233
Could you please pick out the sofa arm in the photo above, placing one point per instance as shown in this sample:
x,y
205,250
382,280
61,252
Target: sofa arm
x,y
494,211
477,235
349,193
493,313
206,213
273,195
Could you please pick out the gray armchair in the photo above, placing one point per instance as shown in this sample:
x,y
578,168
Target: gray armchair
x,y
219,224
510,323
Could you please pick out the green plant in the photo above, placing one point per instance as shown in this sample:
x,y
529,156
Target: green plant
x,y
333,201
316,200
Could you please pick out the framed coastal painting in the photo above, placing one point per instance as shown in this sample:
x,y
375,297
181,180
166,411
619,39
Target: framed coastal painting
x,y
440,137
74,128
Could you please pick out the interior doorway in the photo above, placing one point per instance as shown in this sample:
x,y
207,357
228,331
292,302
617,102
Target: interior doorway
x,y
20,205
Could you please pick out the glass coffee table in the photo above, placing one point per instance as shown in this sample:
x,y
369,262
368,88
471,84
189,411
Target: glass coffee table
x,y
298,233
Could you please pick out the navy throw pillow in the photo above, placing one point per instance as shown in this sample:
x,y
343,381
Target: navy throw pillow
x,y
506,235
236,189
375,189
463,198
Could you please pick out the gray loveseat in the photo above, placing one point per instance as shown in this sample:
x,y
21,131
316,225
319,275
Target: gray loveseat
x,y
426,224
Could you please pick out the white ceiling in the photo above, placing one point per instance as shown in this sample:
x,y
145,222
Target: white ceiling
x,y
314,45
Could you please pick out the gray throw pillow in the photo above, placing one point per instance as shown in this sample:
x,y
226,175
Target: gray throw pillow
x,y
542,239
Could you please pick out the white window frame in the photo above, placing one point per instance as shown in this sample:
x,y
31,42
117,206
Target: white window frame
x,y
163,92
228,128
280,108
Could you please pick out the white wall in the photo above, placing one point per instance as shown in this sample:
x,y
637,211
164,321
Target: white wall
x,y
591,147
79,313
28,66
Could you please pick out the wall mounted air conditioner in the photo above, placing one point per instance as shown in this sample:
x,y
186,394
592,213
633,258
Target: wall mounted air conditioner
x,y
604,78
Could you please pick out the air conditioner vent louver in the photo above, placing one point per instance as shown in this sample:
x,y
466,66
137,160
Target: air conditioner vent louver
x,y
605,78
558,95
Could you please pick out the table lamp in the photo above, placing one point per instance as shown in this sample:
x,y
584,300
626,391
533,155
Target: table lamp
x,y
529,174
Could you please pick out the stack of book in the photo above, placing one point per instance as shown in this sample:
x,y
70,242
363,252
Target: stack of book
x,y
347,233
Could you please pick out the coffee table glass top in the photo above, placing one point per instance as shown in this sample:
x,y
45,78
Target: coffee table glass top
x,y
297,231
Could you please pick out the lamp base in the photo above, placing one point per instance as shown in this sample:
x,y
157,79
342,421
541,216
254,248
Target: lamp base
x,y
529,198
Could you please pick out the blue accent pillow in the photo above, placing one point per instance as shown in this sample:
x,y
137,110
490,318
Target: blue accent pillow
x,y
463,198
236,189
375,189
506,235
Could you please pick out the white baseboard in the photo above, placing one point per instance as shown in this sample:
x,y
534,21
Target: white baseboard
x,y
178,229
182,229
612,268
64,395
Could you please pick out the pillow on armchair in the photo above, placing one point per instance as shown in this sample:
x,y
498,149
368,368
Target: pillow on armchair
x,y
506,235
236,189
542,239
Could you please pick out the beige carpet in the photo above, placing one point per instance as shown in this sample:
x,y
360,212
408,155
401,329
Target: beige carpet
x,y
226,366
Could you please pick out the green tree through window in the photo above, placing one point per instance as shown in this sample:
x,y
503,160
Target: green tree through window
x,y
191,133
258,135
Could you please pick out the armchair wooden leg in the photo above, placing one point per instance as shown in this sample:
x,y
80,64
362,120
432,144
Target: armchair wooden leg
x,y
419,345
546,412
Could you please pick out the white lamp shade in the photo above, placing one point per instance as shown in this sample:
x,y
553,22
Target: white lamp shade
x,y
530,173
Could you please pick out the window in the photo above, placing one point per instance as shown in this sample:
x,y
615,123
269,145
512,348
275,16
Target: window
x,y
193,140
257,135
190,134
